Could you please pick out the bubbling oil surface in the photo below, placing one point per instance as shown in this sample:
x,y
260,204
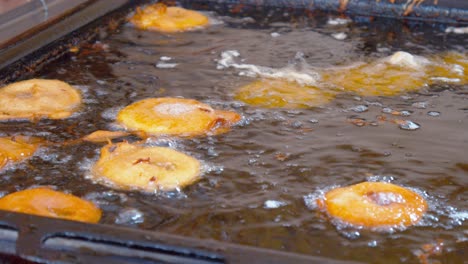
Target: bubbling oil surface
x,y
261,179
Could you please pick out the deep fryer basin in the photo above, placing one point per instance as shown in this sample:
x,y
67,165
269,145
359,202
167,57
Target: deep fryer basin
x,y
30,247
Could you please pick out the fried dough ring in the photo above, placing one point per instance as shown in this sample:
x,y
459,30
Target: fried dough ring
x,y
275,93
159,17
38,98
175,116
49,203
128,166
17,148
399,73
374,204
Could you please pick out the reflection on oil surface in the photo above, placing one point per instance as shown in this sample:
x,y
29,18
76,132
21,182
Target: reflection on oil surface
x,y
261,179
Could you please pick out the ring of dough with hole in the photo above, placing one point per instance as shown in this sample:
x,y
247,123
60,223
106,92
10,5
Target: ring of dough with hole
x,y
17,148
49,203
159,17
175,117
38,99
389,76
127,166
374,205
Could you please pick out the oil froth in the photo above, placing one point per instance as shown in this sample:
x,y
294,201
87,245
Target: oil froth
x,y
303,76
174,109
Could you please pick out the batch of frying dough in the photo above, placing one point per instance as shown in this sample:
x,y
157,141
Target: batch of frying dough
x,y
134,166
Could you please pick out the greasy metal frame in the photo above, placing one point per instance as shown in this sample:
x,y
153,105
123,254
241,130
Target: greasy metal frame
x,y
45,240
26,53
441,11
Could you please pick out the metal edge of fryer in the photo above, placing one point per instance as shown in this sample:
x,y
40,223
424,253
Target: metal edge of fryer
x,y
43,38
35,239
440,11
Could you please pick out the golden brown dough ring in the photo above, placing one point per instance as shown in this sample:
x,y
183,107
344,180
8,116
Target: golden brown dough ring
x,y
401,72
128,166
276,93
375,204
38,98
17,148
49,203
158,17
174,116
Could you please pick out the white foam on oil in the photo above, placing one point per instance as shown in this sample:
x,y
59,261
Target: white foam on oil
x,y
339,36
275,34
273,204
130,216
106,198
311,199
110,113
446,80
338,21
405,59
380,178
165,65
458,69
52,156
298,71
459,216
457,30
165,58
161,141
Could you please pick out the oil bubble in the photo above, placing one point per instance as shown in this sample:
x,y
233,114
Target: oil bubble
x,y
360,108
433,113
338,21
104,199
380,178
273,204
372,243
275,34
339,36
387,110
420,105
130,216
409,125
163,142
457,30
313,121
405,113
165,65
346,231
165,58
